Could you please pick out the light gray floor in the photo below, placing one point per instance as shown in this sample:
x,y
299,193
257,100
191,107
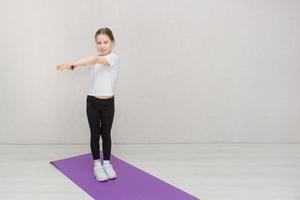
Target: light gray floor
x,y
207,171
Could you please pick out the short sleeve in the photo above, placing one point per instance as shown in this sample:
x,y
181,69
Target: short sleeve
x,y
112,59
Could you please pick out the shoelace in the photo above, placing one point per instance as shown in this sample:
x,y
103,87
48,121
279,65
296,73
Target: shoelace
x,y
98,167
109,168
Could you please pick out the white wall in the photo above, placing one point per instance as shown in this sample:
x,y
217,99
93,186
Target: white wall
x,y
191,71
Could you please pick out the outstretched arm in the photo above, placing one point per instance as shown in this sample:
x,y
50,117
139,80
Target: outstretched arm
x,y
90,60
84,61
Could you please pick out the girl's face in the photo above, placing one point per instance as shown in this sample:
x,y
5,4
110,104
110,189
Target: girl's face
x,y
104,44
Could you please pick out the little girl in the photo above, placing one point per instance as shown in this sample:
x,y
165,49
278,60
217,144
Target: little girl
x,y
100,99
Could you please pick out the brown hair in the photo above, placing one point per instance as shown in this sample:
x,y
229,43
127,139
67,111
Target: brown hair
x,y
105,31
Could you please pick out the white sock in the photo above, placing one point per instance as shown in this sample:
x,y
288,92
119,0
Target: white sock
x,y
106,162
97,163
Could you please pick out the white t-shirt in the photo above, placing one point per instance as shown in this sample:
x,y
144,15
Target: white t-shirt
x,y
102,77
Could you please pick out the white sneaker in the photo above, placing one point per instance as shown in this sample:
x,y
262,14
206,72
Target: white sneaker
x,y
100,173
109,171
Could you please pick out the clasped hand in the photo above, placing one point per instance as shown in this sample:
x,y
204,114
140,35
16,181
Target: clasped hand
x,y
65,66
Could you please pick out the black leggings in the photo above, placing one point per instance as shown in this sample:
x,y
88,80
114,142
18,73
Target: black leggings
x,y
100,110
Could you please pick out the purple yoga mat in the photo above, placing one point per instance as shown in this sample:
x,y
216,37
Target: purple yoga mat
x,y
132,183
